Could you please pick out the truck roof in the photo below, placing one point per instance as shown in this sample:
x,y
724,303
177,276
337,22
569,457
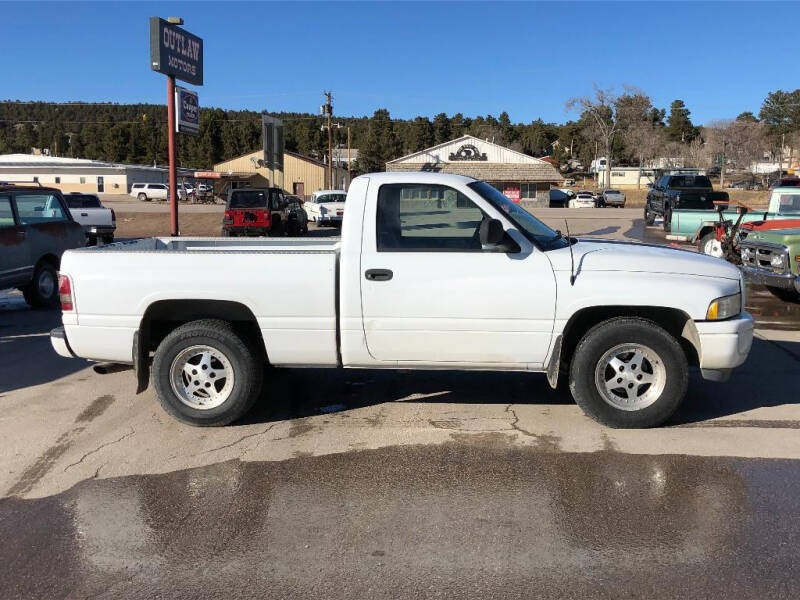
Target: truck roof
x,y
418,177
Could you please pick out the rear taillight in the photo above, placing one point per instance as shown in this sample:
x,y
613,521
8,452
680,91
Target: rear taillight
x,y
113,216
65,293
228,218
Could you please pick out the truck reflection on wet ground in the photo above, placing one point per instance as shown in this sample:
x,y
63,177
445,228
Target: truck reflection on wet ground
x,y
464,519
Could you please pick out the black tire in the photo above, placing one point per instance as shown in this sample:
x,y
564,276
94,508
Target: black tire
x,y
787,295
245,360
649,218
142,197
667,219
108,239
38,293
605,336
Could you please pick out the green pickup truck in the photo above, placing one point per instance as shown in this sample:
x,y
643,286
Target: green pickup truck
x,y
770,256
697,226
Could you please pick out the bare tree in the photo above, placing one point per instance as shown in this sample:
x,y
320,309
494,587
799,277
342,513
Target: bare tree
x,y
601,123
738,143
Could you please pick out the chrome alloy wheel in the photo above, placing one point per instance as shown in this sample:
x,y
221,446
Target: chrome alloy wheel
x,y
630,376
202,377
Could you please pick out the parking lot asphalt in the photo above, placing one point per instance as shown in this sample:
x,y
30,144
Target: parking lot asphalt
x,y
384,484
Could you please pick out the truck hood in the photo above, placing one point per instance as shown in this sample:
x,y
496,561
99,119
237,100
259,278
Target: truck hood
x,y
788,236
612,255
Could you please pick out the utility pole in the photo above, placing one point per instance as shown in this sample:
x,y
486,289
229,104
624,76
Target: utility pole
x,y
722,166
327,109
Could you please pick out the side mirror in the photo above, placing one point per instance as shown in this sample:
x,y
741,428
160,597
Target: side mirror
x,y
492,232
721,207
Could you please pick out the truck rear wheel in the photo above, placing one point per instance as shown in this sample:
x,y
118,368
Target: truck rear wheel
x,y
667,220
42,291
206,375
649,218
710,245
628,373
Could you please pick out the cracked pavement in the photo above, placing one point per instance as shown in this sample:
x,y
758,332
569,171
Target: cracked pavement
x,y
382,484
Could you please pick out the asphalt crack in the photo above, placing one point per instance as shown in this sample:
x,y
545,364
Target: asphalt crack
x,y
96,450
240,440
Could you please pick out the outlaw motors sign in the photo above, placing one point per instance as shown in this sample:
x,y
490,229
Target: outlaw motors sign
x,y
175,51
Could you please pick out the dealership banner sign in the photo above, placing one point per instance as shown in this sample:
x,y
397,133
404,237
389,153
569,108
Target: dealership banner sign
x,y
187,115
175,51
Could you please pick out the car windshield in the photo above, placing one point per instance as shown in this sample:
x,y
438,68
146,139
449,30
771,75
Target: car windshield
x,y
690,181
248,199
529,226
83,202
331,198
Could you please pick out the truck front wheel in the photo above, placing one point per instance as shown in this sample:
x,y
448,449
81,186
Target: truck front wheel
x,y
206,375
628,373
649,218
787,295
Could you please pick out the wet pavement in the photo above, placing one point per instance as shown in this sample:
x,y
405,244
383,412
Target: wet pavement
x,y
471,518
386,484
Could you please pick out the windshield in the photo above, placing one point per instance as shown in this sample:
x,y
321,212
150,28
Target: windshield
x,y
248,199
331,198
82,202
531,227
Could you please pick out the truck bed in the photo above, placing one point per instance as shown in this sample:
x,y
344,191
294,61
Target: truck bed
x,y
289,285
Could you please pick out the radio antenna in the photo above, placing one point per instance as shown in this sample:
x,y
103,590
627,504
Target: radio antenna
x,y
571,256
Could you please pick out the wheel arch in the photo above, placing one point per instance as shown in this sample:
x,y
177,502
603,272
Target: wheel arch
x,y
675,321
164,316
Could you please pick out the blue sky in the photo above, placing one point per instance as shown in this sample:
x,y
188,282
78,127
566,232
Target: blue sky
x,y
412,58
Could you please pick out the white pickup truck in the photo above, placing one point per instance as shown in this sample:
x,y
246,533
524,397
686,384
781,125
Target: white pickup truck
x,y
433,271
99,222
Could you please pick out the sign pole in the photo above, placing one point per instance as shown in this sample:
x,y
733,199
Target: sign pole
x,y
173,180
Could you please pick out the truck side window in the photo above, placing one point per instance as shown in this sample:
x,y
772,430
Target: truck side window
x,y
6,216
426,218
39,208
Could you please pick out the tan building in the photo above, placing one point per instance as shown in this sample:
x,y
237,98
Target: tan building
x,y
517,175
301,175
78,174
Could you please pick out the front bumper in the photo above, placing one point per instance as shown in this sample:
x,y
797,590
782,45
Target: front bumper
x,y
786,281
724,345
330,219
58,339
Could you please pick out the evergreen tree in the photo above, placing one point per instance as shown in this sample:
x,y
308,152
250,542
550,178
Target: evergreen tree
x,y
679,125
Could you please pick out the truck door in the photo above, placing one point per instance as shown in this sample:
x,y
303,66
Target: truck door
x,y
431,294
15,263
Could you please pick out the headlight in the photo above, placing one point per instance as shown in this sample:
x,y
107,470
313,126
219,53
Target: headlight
x,y
725,307
778,261
747,255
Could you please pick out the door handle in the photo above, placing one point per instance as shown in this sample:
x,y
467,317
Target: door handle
x,y
21,233
378,274
84,214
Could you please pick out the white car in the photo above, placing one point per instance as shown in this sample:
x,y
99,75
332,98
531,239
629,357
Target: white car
x,y
326,207
145,192
582,199
433,271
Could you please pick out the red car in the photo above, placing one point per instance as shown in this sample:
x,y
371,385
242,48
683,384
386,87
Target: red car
x,y
255,212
